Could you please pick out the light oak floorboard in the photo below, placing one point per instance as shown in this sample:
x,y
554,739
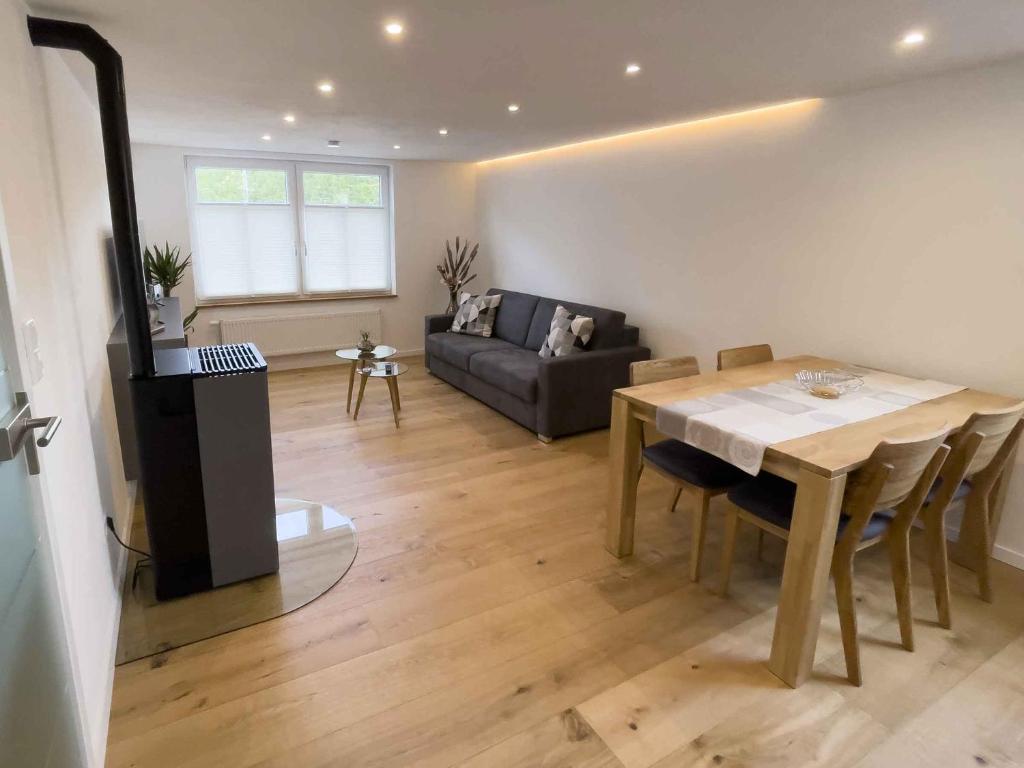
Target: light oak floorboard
x,y
978,723
484,624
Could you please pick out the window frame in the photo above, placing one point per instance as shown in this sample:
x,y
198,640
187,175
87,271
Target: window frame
x,y
294,165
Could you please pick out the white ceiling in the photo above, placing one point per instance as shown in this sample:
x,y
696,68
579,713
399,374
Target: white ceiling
x,y
220,73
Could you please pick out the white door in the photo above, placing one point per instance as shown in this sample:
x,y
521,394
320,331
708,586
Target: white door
x,y
39,727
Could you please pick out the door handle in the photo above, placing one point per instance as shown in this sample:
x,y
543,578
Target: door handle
x,y
16,431
51,424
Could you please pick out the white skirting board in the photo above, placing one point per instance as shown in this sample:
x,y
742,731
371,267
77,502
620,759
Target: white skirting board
x,y
1008,556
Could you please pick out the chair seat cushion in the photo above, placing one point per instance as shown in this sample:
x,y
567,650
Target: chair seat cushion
x,y
693,465
457,349
771,498
962,492
514,371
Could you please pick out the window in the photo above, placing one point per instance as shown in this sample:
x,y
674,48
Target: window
x,y
266,229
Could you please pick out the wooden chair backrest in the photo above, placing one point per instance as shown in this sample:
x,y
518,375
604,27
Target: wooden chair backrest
x,y
664,369
995,428
898,475
980,451
734,358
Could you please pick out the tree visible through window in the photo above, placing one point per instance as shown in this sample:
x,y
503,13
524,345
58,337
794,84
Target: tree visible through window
x,y
341,189
275,228
234,185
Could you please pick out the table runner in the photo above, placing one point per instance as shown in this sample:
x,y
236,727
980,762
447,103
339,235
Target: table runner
x,y
738,426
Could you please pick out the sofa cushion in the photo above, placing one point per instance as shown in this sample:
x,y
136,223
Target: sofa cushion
x,y
513,320
569,334
475,315
511,370
457,349
608,324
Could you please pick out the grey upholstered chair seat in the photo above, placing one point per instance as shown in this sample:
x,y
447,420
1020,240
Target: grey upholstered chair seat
x,y
962,491
771,498
511,370
458,349
693,465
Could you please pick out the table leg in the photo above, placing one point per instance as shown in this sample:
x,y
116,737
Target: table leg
x,y
623,466
359,399
968,547
398,397
351,380
393,389
812,538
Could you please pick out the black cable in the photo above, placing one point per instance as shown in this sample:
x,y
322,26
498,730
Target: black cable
x,y
113,530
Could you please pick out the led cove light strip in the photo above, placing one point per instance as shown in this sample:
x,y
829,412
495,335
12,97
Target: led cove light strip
x,y
642,131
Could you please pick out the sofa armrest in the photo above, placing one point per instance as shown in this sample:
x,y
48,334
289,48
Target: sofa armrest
x,y
574,393
436,323
433,324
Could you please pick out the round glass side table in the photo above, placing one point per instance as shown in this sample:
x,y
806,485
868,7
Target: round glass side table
x,y
358,358
380,370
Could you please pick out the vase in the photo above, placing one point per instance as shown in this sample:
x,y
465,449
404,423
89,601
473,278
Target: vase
x,y
453,303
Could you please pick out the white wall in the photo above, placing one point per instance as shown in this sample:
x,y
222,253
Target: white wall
x,y
53,190
434,201
885,227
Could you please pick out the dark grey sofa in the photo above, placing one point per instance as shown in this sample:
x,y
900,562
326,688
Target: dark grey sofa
x,y
552,396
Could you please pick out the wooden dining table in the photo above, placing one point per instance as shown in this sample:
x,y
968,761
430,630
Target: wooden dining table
x,y
818,464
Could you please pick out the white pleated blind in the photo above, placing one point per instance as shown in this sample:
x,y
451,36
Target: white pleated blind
x,y
248,221
246,251
346,230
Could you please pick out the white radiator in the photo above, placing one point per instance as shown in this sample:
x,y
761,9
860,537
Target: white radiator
x,y
295,334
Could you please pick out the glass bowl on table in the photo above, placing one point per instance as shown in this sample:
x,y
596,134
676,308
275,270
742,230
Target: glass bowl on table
x,y
828,385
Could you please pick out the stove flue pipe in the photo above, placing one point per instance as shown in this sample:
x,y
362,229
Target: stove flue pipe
x,y
117,153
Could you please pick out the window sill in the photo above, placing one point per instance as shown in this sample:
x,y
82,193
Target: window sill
x,y
292,299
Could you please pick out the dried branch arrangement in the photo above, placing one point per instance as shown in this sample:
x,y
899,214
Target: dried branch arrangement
x,y
454,269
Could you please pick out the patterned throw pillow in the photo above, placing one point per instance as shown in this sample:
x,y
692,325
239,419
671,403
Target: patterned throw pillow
x,y
475,315
569,334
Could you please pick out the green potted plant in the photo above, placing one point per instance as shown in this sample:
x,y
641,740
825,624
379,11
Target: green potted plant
x,y
365,345
166,268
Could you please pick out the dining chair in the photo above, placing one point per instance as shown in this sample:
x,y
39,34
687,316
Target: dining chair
x,y
881,501
734,358
701,475
980,454
653,371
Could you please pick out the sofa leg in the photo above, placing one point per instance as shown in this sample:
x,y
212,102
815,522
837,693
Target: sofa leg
x,y
544,438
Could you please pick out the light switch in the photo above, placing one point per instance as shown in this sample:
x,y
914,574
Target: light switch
x,y
30,335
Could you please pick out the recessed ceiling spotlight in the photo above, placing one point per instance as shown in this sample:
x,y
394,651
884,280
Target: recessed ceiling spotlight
x,y
289,118
325,87
265,137
633,69
912,38
443,131
333,143
513,107
398,146
394,28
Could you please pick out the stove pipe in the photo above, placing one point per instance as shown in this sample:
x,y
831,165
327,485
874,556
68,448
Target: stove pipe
x,y
117,153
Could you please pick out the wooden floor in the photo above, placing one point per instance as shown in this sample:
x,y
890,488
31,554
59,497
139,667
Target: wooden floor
x,y
483,624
